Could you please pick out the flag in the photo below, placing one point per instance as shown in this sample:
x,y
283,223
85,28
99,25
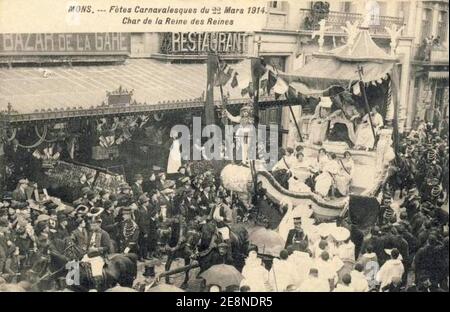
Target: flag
x,y
223,76
234,81
271,81
280,87
248,89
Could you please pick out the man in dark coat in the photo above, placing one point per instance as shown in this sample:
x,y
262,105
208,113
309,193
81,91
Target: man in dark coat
x,y
99,242
109,223
295,235
143,218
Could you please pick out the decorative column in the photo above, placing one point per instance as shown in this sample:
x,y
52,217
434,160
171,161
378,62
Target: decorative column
x,y
404,51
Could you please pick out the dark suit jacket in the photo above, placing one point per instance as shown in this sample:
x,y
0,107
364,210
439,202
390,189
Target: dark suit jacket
x,y
102,241
80,239
143,218
290,238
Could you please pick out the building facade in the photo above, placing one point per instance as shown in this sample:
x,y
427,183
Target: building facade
x,y
287,40
428,97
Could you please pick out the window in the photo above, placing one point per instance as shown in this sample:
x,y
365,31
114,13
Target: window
x,y
346,7
273,4
372,13
278,6
442,26
427,17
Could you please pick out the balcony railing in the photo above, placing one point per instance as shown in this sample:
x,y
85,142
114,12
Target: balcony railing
x,y
309,20
433,52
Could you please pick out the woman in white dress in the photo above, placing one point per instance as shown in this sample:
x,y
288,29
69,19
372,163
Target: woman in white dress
x,y
344,177
299,173
319,122
174,160
325,180
364,135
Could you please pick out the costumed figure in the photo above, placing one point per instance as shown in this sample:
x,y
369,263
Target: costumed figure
x,y
174,161
318,125
245,134
345,175
299,173
364,135
345,115
326,179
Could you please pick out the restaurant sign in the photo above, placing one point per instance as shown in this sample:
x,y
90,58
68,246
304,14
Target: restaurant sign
x,y
204,42
64,43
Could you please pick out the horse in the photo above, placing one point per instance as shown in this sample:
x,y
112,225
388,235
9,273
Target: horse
x,y
210,238
59,265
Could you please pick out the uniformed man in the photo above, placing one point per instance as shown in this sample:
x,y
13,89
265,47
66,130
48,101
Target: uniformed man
x,y
295,235
128,232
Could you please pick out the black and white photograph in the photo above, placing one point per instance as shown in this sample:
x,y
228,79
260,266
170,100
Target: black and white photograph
x,y
224,146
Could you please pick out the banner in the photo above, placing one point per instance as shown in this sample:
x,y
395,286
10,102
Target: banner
x,y
61,44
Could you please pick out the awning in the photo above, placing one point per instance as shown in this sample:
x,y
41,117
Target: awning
x,y
438,75
323,73
33,89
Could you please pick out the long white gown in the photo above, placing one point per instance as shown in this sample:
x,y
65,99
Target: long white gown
x,y
174,160
344,177
364,135
318,125
300,172
325,180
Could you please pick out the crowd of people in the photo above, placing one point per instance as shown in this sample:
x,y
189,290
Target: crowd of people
x,y
151,218
407,250
161,217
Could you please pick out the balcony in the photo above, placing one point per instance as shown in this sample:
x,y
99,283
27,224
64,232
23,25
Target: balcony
x,y
309,21
431,53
